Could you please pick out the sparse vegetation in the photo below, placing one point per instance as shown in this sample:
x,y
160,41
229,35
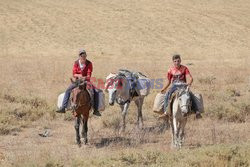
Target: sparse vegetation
x,y
219,155
18,112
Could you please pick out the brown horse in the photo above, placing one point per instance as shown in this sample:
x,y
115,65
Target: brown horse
x,y
81,103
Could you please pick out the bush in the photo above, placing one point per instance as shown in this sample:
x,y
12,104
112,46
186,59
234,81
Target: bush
x,y
18,112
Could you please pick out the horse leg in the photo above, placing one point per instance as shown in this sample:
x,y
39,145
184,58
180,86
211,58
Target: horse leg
x,y
139,104
175,132
179,131
175,122
182,132
124,113
77,126
85,129
172,128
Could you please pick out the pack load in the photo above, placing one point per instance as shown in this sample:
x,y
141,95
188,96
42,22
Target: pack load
x,y
159,103
100,100
197,105
60,101
143,84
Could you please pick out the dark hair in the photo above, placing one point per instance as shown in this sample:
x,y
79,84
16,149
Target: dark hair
x,y
176,57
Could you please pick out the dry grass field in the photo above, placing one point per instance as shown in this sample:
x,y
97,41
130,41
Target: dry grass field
x,y
39,40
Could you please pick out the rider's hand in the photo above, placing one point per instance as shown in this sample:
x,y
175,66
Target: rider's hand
x,y
163,91
81,77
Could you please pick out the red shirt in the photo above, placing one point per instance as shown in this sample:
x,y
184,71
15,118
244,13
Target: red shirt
x,y
86,69
177,74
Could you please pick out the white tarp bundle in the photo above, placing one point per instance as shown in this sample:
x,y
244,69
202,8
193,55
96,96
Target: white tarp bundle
x,y
100,100
143,85
60,100
159,102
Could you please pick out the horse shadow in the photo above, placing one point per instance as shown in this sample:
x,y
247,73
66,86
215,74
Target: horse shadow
x,y
158,128
134,137
105,142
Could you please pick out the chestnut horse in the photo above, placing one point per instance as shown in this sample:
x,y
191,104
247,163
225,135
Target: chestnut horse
x,y
81,103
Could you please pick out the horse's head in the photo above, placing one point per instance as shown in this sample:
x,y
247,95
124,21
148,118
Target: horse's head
x,y
184,100
115,86
80,95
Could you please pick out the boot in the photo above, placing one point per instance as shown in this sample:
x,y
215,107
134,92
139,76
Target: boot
x,y
61,110
97,113
198,116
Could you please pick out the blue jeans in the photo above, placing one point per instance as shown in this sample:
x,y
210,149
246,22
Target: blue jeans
x,y
67,95
172,89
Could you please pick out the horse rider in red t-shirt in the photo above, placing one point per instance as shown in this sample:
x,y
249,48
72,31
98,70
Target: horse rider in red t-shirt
x,y
176,74
82,70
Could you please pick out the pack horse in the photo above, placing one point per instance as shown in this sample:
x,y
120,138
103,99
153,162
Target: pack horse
x,y
123,88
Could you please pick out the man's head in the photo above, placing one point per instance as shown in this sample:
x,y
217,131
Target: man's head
x,y
177,60
82,55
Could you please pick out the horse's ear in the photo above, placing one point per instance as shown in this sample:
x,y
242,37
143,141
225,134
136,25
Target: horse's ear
x,y
187,89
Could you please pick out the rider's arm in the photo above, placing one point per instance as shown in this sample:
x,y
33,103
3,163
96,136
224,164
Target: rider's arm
x,y
188,74
165,87
89,71
75,71
190,80
77,76
169,78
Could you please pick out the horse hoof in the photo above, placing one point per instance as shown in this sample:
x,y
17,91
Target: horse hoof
x,y
79,143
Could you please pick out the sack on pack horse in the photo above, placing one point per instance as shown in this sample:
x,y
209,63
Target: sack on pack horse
x,y
60,101
159,103
97,99
100,100
197,104
143,85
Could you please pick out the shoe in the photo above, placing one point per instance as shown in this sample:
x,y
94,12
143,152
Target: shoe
x,y
97,113
61,110
164,115
198,116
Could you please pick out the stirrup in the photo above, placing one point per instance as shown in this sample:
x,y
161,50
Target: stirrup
x,y
97,113
164,115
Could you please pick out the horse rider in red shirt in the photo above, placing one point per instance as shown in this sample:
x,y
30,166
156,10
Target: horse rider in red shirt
x,y
176,74
82,69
